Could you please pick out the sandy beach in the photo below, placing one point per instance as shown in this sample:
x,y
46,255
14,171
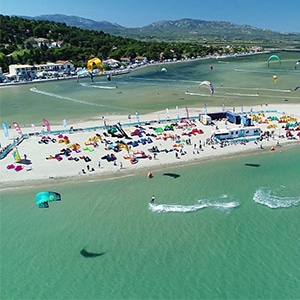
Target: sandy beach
x,y
89,154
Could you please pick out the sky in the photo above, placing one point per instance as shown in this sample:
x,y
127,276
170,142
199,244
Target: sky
x,y
282,16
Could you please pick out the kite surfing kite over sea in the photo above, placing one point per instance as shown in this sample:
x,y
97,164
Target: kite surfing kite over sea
x,y
90,66
43,198
209,85
272,57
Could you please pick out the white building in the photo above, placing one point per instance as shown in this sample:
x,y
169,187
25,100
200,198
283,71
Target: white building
x,y
28,72
237,133
21,72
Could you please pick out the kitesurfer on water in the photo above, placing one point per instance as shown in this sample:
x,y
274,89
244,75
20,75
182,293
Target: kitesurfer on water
x,y
152,199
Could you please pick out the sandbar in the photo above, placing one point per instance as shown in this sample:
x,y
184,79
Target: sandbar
x,y
85,155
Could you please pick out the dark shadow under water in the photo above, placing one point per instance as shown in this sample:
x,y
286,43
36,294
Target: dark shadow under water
x,y
86,253
252,165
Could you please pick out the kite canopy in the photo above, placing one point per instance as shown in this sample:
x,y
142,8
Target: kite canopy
x,y
274,56
97,62
43,198
208,84
16,154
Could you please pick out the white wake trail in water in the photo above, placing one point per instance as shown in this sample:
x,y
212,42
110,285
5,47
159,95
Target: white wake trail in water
x,y
273,199
98,86
35,90
166,208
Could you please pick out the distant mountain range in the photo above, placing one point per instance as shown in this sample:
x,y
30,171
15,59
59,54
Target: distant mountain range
x,y
179,30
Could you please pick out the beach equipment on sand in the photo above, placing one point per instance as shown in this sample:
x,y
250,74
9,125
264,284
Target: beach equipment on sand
x,y
16,154
43,198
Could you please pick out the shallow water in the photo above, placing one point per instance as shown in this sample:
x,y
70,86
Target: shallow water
x,y
237,81
222,229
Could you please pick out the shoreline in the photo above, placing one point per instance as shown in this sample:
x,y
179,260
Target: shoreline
x,y
126,173
40,166
118,72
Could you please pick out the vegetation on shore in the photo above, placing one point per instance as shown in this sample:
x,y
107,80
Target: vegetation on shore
x,y
29,41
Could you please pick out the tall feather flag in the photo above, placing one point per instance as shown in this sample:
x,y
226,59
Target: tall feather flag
x,y
33,127
177,112
17,127
47,124
137,116
223,107
5,129
187,112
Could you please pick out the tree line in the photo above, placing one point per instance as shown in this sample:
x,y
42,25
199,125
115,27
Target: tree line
x,y
24,41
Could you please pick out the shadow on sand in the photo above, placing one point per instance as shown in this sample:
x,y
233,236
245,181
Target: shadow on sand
x,y
25,161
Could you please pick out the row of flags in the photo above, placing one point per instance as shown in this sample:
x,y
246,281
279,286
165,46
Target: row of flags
x,y
47,124
19,130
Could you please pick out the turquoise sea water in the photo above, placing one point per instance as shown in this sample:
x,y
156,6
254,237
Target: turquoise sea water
x,y
219,229
237,81
242,243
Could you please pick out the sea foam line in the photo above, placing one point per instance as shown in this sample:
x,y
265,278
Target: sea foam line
x,y
35,90
268,198
245,95
165,208
98,86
